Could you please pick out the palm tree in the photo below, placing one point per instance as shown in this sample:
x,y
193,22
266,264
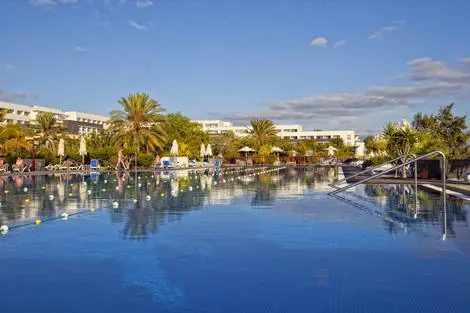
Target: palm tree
x,y
400,140
13,137
139,123
261,130
47,128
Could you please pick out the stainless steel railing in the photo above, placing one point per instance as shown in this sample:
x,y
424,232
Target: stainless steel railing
x,y
333,185
444,188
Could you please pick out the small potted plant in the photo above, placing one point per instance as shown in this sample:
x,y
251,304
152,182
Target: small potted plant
x,y
424,173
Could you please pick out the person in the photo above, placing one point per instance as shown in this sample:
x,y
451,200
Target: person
x,y
120,160
157,161
19,163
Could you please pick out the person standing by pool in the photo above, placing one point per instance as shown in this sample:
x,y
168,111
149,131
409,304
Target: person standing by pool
x,y
157,160
120,160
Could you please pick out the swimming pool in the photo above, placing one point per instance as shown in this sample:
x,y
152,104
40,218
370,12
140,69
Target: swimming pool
x,y
270,240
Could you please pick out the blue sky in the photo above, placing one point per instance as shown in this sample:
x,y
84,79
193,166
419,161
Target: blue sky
x,y
326,64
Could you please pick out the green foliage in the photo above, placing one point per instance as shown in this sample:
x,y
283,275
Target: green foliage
x,y
188,134
448,128
375,160
139,123
400,140
337,142
145,159
47,129
261,131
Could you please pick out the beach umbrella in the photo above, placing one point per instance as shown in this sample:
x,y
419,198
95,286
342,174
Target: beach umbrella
x,y
61,150
331,150
209,150
202,152
246,149
276,151
174,148
82,149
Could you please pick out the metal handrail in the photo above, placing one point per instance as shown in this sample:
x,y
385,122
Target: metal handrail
x,y
444,188
333,185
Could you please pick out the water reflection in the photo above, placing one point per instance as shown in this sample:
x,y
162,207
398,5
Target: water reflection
x,y
144,201
424,207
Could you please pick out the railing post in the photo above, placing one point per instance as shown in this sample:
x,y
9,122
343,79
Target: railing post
x,y
444,196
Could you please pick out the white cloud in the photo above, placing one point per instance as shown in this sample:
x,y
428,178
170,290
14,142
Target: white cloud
x,y
143,3
400,22
80,49
429,69
137,25
433,81
339,43
465,61
319,42
51,2
9,66
380,33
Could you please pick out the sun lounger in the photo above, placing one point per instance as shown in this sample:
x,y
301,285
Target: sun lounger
x,y
4,168
94,165
25,168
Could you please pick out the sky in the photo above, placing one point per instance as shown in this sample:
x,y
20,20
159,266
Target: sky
x,y
326,64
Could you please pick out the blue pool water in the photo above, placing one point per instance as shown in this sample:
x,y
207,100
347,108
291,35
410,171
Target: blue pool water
x,y
269,242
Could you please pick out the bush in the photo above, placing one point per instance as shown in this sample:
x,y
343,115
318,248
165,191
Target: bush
x,y
145,159
376,160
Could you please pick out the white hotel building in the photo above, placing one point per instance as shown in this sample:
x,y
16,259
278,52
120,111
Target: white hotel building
x,y
294,132
77,123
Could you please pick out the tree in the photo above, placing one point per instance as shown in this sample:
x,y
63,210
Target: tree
x,y
374,145
261,130
47,128
139,123
447,127
400,140
337,142
188,134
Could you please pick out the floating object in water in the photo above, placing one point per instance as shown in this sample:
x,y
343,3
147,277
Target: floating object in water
x,y
51,197
190,188
162,195
25,189
70,194
65,215
4,229
115,205
88,192
26,200
92,210
147,198
135,200
37,222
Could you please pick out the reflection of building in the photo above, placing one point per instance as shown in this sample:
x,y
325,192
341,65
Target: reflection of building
x,y
294,132
76,123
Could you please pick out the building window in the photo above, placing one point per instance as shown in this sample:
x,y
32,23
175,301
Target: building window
x,y
349,137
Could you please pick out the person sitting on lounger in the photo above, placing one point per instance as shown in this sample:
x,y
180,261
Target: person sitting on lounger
x,y
19,163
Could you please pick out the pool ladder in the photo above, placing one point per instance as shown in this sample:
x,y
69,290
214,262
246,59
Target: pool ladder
x,y
394,168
